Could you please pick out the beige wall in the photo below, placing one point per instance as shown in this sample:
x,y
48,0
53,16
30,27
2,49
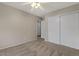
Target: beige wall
x,y
73,8
16,27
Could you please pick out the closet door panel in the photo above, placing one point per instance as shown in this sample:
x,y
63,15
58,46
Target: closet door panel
x,y
43,29
70,30
53,29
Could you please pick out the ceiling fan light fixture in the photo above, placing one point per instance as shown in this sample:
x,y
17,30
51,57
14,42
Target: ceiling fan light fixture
x,y
38,4
35,5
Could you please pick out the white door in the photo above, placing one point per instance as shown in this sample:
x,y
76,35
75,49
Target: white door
x,y
53,29
70,30
43,29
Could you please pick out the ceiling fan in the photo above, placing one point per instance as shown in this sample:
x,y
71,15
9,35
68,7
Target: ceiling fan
x,y
35,5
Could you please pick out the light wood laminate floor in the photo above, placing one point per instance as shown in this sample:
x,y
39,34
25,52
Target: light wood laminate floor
x,y
39,48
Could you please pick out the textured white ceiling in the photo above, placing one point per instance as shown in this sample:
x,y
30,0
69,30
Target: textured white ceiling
x,y
45,7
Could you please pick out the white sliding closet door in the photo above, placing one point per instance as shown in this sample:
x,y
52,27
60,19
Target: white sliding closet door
x,y
53,29
70,30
